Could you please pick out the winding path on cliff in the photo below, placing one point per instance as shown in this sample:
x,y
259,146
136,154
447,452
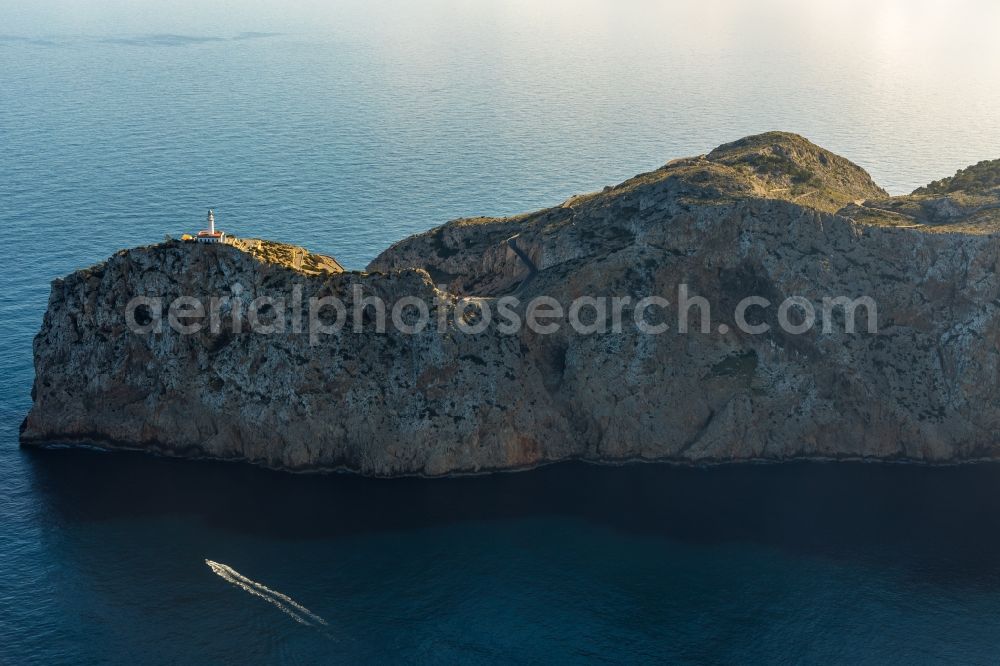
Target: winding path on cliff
x,y
523,256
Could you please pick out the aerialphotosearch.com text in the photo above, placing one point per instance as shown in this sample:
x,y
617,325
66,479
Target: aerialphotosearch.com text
x,y
319,316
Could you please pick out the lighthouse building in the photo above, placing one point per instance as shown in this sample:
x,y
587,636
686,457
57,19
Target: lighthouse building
x,y
210,235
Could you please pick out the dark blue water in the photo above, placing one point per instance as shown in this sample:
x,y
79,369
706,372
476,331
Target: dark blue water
x,y
798,563
345,127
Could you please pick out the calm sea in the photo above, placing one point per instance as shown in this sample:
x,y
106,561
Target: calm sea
x,y
347,126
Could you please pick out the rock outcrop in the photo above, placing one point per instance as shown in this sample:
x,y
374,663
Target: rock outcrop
x,y
771,216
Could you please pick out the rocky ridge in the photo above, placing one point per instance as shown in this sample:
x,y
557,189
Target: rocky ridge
x,y
771,215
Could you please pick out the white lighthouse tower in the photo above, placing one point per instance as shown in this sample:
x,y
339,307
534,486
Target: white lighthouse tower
x,y
210,235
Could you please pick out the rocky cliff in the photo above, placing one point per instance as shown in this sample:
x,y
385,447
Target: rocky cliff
x,y
771,216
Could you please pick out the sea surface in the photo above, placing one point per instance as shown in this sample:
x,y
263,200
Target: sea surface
x,y
347,126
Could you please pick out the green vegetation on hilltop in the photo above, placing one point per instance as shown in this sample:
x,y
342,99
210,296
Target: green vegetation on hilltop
x,y
968,202
978,178
789,166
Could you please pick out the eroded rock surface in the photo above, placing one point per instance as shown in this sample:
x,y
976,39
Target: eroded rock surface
x,y
771,215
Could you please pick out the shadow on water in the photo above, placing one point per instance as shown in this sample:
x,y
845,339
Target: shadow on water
x,y
941,524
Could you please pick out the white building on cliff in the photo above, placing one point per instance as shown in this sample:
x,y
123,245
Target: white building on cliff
x,y
210,235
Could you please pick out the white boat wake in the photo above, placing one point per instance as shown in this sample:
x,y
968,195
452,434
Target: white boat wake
x,y
286,604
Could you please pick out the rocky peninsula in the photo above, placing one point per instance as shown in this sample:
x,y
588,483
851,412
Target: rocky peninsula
x,y
770,216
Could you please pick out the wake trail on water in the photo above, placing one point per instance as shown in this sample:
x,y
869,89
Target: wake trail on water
x,y
283,602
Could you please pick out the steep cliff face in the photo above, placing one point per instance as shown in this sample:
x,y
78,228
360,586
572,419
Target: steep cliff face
x,y
771,216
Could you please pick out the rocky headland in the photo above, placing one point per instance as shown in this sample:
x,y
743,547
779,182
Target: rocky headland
x,y
772,216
